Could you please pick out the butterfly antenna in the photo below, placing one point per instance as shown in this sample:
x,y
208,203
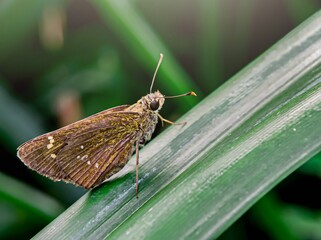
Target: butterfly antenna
x,y
158,64
182,95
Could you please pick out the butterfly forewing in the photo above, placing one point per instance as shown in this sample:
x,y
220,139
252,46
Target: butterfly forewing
x,y
86,152
92,152
39,155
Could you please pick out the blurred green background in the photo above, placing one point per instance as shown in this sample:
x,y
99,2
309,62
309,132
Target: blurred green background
x,y
64,60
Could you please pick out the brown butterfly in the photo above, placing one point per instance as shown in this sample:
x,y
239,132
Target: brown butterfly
x,y
89,151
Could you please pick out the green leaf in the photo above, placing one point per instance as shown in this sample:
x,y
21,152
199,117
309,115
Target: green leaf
x,y
239,142
17,19
268,212
31,200
313,166
146,46
17,121
300,10
287,221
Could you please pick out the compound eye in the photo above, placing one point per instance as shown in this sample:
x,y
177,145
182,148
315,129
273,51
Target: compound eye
x,y
154,105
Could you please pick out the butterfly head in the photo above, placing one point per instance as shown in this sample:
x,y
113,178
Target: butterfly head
x,y
153,101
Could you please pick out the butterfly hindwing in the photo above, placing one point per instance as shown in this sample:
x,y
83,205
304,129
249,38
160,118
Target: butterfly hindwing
x,y
86,152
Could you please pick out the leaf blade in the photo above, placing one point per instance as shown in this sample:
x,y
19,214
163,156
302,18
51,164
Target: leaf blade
x,y
258,113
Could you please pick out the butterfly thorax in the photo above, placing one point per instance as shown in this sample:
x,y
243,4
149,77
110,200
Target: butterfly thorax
x,y
148,107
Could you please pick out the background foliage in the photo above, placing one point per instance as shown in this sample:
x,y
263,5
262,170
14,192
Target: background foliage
x,y
63,60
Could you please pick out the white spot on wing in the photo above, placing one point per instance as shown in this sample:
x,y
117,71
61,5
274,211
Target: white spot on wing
x,y
96,165
53,155
78,157
51,141
84,157
82,147
88,162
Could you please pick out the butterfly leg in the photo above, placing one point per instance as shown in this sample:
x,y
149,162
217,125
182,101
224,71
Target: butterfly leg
x,y
137,162
170,122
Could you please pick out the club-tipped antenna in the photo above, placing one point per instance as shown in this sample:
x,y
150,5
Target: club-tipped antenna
x,y
182,95
158,64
